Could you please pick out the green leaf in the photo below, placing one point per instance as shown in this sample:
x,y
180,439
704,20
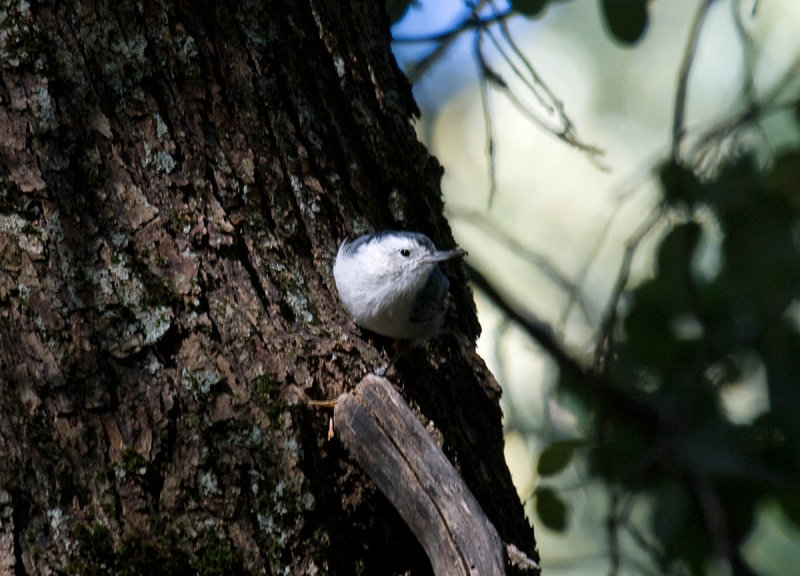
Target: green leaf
x,y
626,19
530,8
551,509
557,456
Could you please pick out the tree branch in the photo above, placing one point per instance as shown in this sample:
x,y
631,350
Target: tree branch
x,y
580,379
610,315
754,112
683,80
548,268
488,120
536,328
564,130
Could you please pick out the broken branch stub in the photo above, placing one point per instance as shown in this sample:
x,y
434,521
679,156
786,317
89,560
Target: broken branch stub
x,y
388,441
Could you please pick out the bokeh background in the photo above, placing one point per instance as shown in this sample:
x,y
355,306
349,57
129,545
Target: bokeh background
x,y
570,186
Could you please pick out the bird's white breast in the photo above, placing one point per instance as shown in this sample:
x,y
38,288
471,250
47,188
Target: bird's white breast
x,y
379,297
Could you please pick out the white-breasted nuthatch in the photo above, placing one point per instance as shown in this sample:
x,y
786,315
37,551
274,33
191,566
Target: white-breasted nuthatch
x,y
392,285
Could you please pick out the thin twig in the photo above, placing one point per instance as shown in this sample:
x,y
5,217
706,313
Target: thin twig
x,y
555,105
564,129
418,70
633,183
584,272
610,315
488,123
581,380
683,80
748,84
558,123
548,268
755,112
535,83
592,152
537,329
708,160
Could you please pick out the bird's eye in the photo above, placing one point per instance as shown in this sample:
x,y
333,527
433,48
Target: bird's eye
x,y
405,252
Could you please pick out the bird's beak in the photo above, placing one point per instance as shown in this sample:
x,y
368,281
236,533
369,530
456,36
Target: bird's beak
x,y
442,255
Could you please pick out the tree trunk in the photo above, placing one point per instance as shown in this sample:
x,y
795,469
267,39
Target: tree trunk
x,y
175,180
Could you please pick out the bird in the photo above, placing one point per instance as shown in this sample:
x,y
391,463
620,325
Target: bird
x,y
391,282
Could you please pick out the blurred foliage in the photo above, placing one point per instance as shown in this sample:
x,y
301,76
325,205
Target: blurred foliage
x,y
678,344
551,509
684,340
530,8
557,456
626,19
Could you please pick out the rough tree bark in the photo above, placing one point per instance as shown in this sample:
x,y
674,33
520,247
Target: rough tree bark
x,y
175,179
